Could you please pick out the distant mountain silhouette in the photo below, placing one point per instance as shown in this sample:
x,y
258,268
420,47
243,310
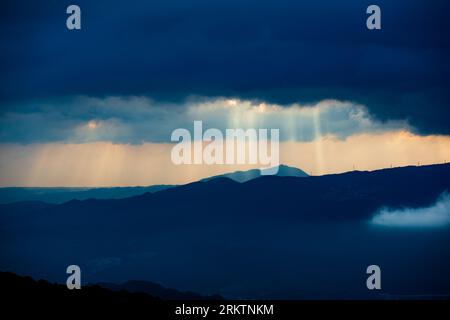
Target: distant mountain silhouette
x,y
244,176
60,195
270,237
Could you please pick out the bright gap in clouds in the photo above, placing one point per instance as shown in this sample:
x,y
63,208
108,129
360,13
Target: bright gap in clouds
x,y
436,215
112,164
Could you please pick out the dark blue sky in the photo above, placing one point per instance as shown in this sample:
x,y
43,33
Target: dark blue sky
x,y
277,51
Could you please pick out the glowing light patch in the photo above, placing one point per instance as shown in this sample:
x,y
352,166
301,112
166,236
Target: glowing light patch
x,y
92,125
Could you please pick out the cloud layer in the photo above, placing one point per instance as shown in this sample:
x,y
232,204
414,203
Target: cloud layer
x,y
282,52
136,120
437,215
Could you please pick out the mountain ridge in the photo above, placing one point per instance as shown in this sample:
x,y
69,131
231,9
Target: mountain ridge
x,y
270,237
60,195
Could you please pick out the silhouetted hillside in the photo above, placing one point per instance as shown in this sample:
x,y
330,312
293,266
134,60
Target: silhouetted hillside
x,y
60,195
156,290
23,295
352,195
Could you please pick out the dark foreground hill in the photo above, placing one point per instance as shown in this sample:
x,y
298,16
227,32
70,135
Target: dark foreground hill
x,y
23,295
276,237
156,290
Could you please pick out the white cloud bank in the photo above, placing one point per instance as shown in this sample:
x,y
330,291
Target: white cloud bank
x,y
437,215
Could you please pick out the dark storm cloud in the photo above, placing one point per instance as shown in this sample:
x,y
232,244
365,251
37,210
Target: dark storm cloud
x,y
277,51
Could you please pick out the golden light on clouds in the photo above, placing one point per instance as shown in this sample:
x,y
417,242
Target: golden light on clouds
x,y
109,164
92,124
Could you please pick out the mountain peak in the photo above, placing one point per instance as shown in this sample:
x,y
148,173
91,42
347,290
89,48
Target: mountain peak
x,y
244,176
